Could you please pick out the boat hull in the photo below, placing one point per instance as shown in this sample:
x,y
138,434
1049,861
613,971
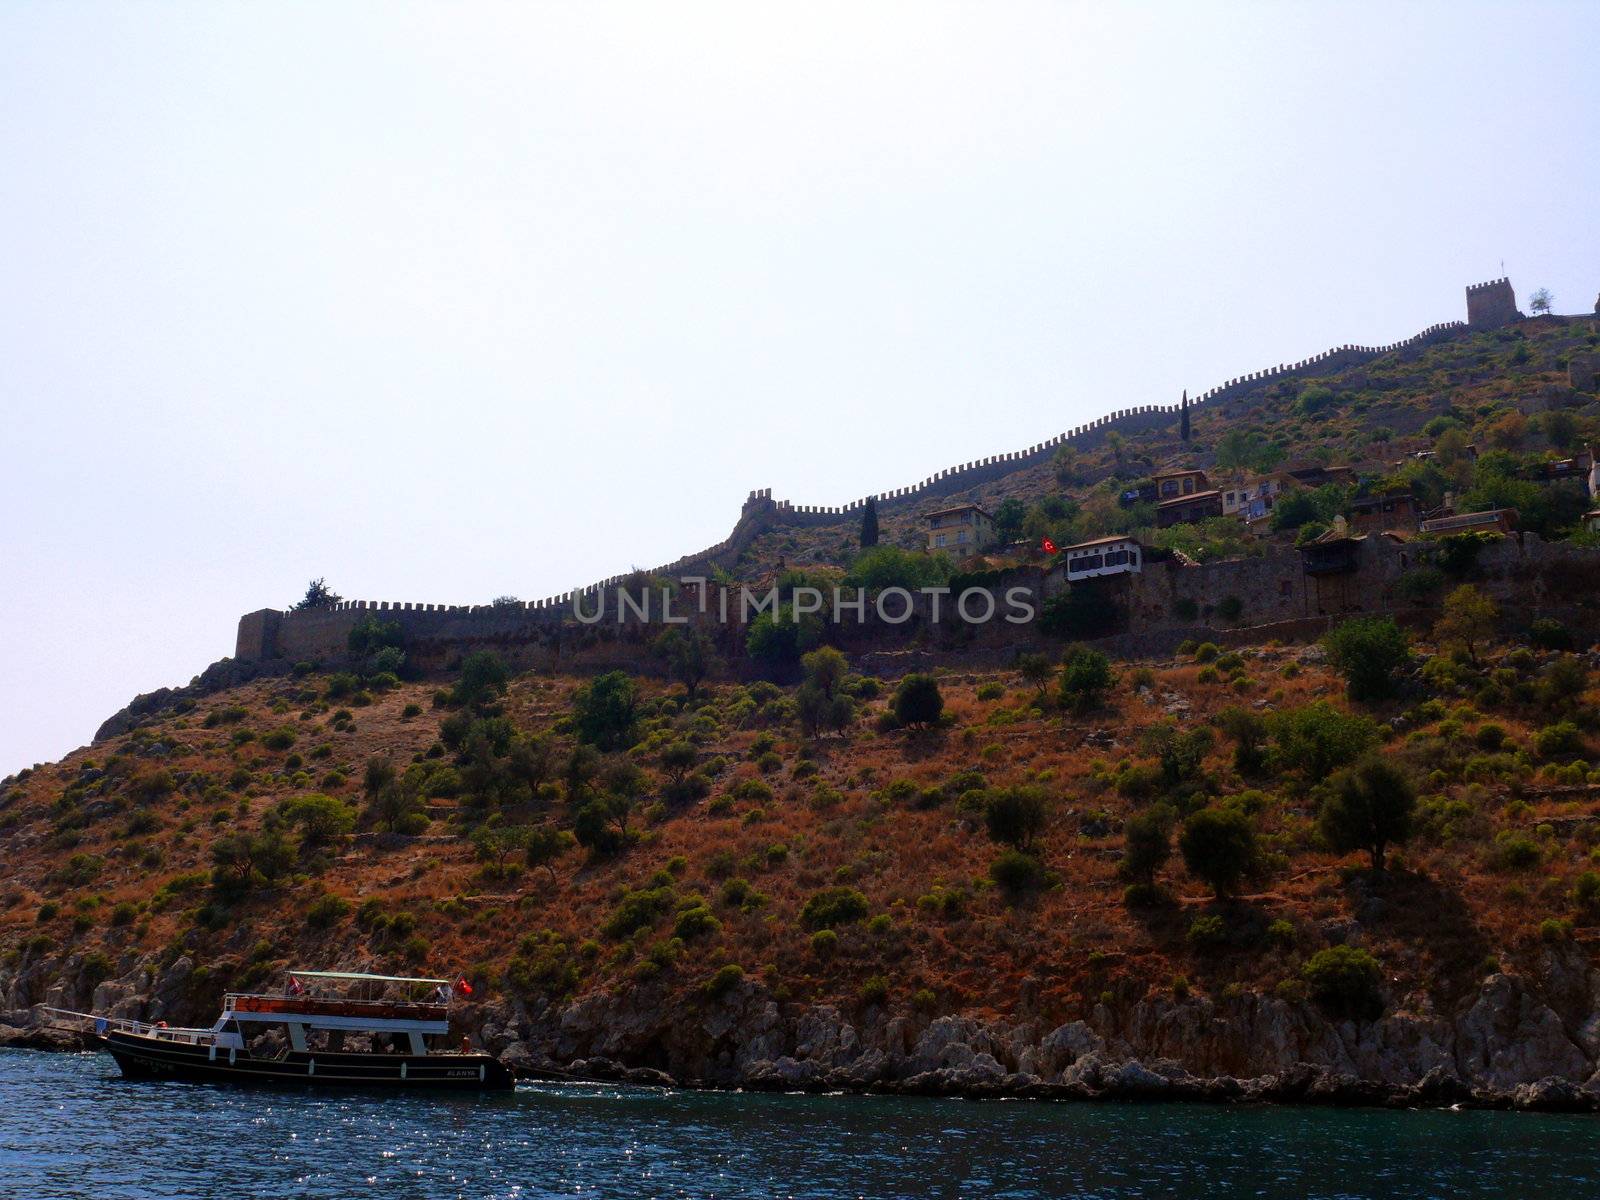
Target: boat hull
x,y
143,1057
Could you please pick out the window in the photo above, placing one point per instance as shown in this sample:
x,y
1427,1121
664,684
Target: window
x,y
1188,485
939,540
961,537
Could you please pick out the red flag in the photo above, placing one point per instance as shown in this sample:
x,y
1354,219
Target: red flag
x,y
463,986
1048,546
294,986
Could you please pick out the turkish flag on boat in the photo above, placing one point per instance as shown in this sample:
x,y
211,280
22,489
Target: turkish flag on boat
x,y
463,986
294,986
1047,546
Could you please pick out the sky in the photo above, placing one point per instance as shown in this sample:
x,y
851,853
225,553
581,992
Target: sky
x,y
449,301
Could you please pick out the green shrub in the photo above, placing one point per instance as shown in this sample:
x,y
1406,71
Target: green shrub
x,y
638,909
1017,873
875,990
918,701
1206,652
1550,634
1559,739
833,907
1345,981
824,943
278,739
326,911
1219,847
1207,931
695,922
1370,652
1585,891
1015,815
1516,852
724,980
1490,736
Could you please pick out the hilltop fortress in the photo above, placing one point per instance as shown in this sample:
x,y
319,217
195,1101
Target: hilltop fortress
x,y
1270,589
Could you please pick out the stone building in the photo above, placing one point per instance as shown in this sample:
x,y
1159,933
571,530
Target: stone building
x,y
1491,305
962,527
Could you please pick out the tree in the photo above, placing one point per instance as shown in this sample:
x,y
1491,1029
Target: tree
x,y
1468,620
321,818
1249,732
1219,848
318,595
1541,301
1146,844
678,760
1082,611
869,523
1181,754
391,802
1183,418
598,829
918,701
545,844
496,844
606,712
1008,519
879,567
1318,738
1037,670
1369,652
690,656
1086,677
1015,815
484,675
369,635
262,858
1371,807
778,640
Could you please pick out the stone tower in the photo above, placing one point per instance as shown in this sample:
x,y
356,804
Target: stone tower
x,y
1491,305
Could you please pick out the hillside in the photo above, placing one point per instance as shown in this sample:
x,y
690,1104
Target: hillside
x,y
1079,877
1496,387
127,887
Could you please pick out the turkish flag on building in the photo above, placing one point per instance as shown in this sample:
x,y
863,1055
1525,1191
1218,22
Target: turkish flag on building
x,y
463,986
1047,546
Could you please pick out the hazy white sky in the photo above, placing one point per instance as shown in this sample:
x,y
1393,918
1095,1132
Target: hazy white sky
x,y
443,301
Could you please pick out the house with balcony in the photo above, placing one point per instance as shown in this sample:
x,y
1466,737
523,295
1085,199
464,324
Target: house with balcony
x,y
1188,510
961,529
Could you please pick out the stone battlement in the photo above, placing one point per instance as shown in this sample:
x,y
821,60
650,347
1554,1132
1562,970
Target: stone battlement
x,y
268,632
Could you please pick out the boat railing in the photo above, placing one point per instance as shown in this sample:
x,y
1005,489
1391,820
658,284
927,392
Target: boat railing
x,y
334,1006
78,1022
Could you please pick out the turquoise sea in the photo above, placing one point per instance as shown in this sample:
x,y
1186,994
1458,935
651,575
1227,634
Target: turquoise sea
x,y
70,1127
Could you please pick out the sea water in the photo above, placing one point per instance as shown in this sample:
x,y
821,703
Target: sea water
x,y
71,1127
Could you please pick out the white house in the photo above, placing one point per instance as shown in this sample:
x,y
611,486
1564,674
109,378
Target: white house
x,y
1113,555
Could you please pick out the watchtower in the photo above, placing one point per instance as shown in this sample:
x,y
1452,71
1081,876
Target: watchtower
x,y
1491,305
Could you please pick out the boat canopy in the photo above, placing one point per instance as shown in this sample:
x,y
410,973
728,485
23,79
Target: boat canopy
x,y
362,975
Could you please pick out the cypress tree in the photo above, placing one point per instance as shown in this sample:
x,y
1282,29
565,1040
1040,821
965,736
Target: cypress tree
x,y
1183,419
869,523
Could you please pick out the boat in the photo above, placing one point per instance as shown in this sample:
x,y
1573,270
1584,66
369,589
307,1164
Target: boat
x,y
316,1013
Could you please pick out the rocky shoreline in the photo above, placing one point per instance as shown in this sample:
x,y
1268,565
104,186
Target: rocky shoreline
x,y
1510,1045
